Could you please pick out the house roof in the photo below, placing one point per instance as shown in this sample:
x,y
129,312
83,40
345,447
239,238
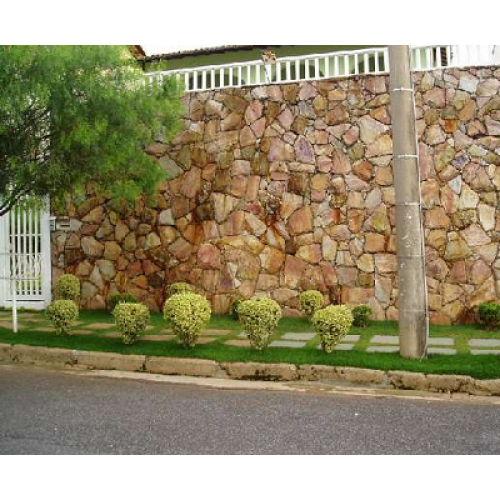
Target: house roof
x,y
192,51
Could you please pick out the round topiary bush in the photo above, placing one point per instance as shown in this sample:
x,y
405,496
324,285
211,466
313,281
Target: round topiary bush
x,y
361,315
68,288
333,324
489,316
310,302
179,288
260,318
234,308
121,298
63,314
132,320
188,313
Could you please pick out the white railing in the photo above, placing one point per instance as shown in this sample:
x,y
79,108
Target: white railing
x,y
373,61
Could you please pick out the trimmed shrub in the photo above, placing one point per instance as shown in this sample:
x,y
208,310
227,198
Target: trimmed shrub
x,y
489,316
179,288
333,324
63,314
188,313
260,318
361,316
68,288
310,302
234,308
132,320
121,298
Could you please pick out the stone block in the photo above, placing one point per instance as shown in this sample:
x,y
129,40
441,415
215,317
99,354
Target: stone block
x,y
441,342
485,352
352,338
382,349
408,381
488,387
30,355
5,352
361,376
344,347
183,367
318,373
484,343
288,344
441,350
110,361
299,336
261,371
385,339
448,383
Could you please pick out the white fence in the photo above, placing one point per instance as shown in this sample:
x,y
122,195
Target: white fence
x,y
25,271
374,61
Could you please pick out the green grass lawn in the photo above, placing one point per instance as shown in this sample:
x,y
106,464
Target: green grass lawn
x,y
482,367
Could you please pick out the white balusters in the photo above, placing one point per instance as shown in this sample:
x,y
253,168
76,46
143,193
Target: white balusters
x,y
373,61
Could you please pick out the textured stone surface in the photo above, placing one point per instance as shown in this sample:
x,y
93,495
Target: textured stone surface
x,y
290,344
299,336
282,189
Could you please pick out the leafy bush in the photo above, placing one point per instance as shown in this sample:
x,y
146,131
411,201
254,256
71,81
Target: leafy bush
x,y
333,324
132,320
234,308
179,288
260,318
489,316
361,316
68,288
188,314
121,298
63,314
310,302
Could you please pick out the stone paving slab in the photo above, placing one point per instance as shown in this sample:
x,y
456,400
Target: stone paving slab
x,y
351,338
484,352
344,347
81,332
340,347
484,343
385,339
158,338
442,350
216,333
206,340
299,336
441,342
113,335
44,329
383,349
288,343
238,343
100,326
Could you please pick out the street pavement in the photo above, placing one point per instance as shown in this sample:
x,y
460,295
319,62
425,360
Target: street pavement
x,y
50,412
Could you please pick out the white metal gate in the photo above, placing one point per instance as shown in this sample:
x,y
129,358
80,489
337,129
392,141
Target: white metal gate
x,y
25,254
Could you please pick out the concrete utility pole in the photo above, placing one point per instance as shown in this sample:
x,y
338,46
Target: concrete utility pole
x,y
413,301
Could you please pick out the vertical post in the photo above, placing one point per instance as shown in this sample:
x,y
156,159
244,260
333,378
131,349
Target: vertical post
x,y
413,301
14,305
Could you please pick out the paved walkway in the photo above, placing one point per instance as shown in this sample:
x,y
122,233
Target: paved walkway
x,y
371,343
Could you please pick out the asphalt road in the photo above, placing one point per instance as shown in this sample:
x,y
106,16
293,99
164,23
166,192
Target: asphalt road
x,y
59,413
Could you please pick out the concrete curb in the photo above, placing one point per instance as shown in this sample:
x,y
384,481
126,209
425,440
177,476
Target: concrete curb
x,y
83,360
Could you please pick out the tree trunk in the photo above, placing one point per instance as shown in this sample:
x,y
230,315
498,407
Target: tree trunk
x,y
413,301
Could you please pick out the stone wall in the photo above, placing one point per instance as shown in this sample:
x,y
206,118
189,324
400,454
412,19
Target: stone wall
x,y
280,189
